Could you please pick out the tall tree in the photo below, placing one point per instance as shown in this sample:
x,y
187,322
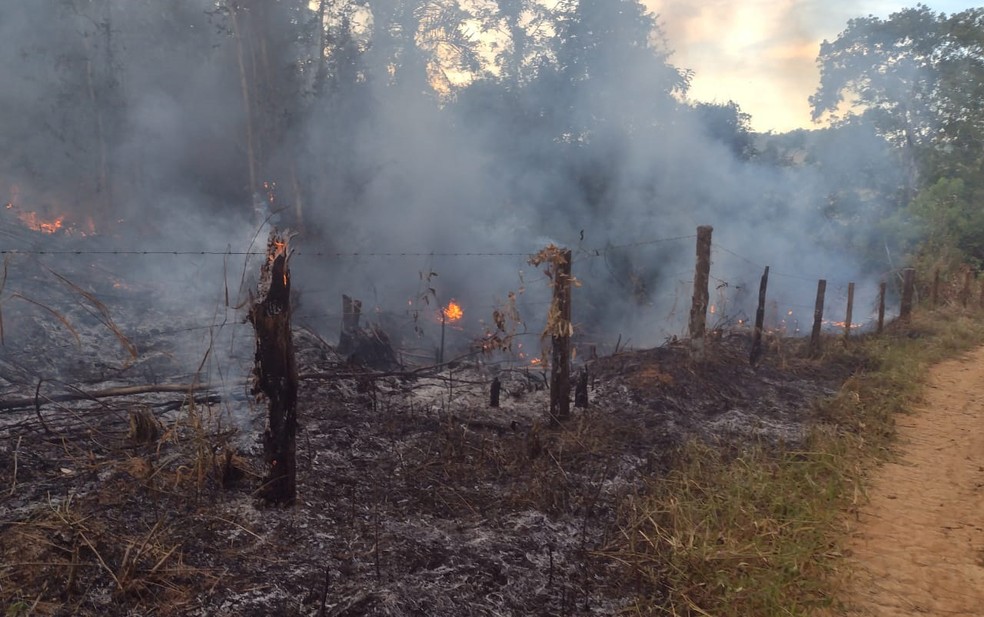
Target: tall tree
x,y
917,76
728,124
271,50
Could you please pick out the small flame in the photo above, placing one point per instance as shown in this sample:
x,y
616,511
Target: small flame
x,y
536,362
32,220
713,309
452,312
275,249
841,324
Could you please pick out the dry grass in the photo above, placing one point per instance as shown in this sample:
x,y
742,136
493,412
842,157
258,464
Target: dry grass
x,y
81,550
121,539
756,531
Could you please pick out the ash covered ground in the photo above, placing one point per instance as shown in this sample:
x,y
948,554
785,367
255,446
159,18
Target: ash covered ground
x,y
415,497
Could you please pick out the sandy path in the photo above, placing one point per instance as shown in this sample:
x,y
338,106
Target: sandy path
x,y
919,544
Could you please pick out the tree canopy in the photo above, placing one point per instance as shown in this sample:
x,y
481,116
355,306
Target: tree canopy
x,y
917,77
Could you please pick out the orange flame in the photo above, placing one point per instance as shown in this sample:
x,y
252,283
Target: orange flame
x,y
275,249
279,248
32,220
452,312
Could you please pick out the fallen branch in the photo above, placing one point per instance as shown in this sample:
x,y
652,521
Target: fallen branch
x,y
19,403
430,370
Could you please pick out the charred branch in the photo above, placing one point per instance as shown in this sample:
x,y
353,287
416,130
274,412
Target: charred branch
x,y
27,403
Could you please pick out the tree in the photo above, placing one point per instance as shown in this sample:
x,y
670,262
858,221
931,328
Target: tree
x,y
522,42
918,79
728,124
886,71
960,104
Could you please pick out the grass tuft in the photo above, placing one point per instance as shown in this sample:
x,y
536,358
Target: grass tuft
x,y
755,529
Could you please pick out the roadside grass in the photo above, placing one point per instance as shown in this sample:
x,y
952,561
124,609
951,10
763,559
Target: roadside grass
x,y
754,530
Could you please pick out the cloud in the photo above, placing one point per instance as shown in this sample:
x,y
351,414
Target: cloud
x,y
761,53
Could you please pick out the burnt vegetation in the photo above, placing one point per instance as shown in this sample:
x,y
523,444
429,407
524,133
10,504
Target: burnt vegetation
x,y
180,438
413,496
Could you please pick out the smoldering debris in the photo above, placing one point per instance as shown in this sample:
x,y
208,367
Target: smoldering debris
x,y
414,496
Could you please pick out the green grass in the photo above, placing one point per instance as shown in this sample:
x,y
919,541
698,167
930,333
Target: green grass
x,y
755,532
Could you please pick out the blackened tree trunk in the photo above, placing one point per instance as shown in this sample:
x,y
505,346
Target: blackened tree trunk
x,y
275,373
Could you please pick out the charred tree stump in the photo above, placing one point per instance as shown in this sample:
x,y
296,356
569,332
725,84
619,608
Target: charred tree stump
x,y
368,346
882,287
756,352
560,361
908,291
935,297
817,318
275,373
698,309
494,392
351,314
850,311
581,390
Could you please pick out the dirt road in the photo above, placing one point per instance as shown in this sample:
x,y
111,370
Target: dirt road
x,y
918,546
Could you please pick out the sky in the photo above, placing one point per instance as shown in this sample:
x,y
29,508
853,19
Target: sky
x,y
762,53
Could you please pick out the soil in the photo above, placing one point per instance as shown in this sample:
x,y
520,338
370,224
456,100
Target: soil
x,y
917,546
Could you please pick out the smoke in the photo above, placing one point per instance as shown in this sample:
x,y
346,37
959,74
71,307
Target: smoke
x,y
409,199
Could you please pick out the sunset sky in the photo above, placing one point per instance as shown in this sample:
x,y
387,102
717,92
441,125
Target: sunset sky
x,y
762,53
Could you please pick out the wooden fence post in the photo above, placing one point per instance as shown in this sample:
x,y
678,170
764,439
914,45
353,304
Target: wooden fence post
x,y
581,390
882,287
817,318
494,393
759,320
560,362
698,309
850,310
275,372
965,292
908,291
351,313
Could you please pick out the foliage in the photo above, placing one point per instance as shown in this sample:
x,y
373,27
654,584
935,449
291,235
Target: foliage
x,y
917,78
729,125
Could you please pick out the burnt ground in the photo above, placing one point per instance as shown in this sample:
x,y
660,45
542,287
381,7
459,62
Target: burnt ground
x,y
414,496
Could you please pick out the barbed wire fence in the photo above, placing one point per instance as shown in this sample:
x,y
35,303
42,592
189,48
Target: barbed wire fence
x,y
733,285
